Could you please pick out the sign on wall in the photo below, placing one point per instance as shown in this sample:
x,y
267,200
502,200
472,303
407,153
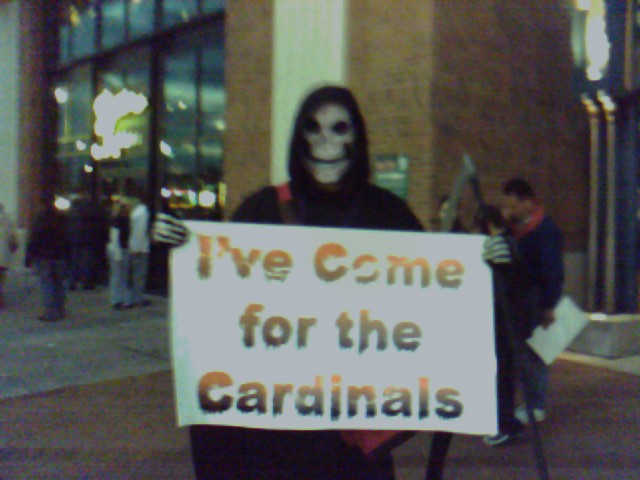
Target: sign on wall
x,y
319,328
392,172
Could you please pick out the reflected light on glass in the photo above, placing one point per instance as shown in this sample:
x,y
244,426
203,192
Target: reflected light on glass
x,y
166,149
165,192
192,196
61,203
109,109
182,105
81,146
220,124
207,199
61,94
88,168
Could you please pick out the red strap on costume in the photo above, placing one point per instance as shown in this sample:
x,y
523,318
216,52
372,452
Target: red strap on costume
x,y
536,218
284,192
368,440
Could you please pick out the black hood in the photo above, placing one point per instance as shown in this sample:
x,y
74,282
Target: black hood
x,y
302,182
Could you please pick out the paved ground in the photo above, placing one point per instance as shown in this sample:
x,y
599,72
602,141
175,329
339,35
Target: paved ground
x,y
91,398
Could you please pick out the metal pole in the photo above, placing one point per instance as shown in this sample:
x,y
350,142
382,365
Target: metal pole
x,y
594,205
609,108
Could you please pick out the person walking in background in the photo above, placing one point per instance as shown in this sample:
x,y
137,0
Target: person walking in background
x,y
48,253
118,255
138,252
86,233
539,243
8,246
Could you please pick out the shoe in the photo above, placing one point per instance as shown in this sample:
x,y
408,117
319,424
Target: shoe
x,y
500,438
521,414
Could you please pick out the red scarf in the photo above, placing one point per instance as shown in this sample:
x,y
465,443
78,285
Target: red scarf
x,y
537,215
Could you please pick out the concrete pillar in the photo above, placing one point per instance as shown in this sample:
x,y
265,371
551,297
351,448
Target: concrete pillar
x,y
309,48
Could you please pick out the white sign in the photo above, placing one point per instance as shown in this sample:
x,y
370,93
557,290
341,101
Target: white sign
x,y
319,328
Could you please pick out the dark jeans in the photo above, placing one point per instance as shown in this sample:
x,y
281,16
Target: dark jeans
x,y
230,453
82,266
52,275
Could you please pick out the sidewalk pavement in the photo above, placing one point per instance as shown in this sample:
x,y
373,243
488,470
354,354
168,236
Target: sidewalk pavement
x,y
91,397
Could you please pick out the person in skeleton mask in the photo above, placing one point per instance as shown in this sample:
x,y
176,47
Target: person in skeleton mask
x,y
329,187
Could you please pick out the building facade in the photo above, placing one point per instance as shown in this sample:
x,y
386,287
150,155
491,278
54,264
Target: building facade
x,y
606,55
191,102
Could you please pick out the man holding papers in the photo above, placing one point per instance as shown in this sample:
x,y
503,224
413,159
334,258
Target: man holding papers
x,y
540,244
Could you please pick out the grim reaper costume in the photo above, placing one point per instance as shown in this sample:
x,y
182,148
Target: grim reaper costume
x,y
329,187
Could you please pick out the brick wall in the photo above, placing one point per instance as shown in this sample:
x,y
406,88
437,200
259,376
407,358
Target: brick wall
x,y
492,78
436,78
390,69
248,83
502,92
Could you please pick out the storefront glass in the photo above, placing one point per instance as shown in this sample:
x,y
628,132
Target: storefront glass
x,y
74,97
113,23
178,11
77,29
122,123
141,18
192,123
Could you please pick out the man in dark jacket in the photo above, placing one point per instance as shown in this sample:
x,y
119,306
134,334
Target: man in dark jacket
x,y
48,253
540,244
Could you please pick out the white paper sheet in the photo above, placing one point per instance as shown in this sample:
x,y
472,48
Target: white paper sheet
x,y
551,342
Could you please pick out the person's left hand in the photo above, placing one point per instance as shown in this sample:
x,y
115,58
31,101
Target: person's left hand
x,y
548,317
169,230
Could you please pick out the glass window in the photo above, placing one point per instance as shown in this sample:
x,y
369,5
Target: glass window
x,y
122,116
74,95
77,29
178,11
64,32
113,24
212,108
141,17
209,6
192,124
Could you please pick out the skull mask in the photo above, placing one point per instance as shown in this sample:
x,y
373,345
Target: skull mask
x,y
329,133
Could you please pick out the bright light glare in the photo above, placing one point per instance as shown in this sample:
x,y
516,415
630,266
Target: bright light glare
x,y
62,203
165,192
596,42
62,96
166,149
206,198
584,5
110,108
80,145
88,168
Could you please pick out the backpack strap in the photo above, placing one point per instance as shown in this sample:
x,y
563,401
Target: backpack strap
x,y
285,204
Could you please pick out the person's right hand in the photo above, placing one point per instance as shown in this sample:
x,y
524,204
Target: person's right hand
x,y
496,251
169,230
